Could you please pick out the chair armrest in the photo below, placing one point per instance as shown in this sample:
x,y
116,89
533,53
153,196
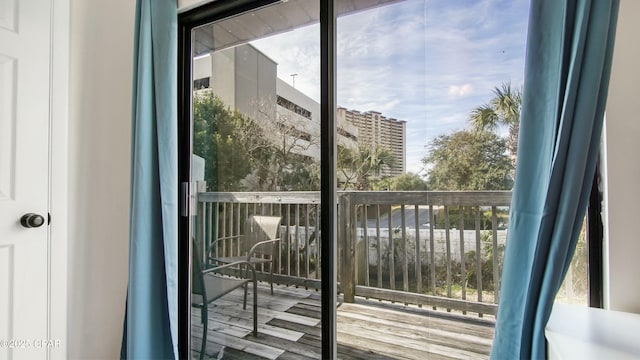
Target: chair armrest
x,y
233,264
214,242
253,248
225,238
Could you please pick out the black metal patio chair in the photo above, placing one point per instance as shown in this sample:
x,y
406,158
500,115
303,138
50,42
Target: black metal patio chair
x,y
208,285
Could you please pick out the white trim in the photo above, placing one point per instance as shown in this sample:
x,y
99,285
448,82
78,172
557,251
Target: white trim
x,y
186,5
59,178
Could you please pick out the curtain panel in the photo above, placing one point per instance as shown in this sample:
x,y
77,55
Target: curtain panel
x,y
569,49
150,329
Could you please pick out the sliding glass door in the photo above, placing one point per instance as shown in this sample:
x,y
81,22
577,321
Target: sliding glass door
x,y
347,176
255,183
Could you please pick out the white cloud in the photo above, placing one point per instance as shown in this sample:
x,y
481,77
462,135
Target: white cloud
x,y
461,90
427,62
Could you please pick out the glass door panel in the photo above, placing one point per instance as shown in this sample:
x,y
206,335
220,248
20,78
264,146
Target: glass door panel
x,y
426,176
255,170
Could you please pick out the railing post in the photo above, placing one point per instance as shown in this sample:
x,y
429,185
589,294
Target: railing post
x,y
346,240
496,267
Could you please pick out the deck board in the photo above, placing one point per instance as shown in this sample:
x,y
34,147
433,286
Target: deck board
x,y
289,328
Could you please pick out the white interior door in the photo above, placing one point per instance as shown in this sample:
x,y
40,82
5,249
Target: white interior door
x,y
24,177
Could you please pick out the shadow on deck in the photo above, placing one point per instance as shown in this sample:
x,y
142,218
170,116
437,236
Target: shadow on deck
x,y
289,328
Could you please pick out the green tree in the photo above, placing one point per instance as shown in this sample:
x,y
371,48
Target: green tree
x,y
302,175
264,151
403,182
503,109
357,166
468,160
221,137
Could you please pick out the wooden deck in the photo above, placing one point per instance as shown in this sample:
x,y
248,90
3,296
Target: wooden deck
x,y
289,328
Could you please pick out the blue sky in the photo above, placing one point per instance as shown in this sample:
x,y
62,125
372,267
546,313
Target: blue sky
x,y
427,62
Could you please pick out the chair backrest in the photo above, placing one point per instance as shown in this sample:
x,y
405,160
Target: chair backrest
x,y
261,228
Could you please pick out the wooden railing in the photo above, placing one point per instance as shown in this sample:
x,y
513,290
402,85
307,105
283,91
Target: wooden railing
x,y
420,251
223,214
407,247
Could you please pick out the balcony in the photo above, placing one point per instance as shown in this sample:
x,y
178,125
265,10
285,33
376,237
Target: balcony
x,y
418,274
289,328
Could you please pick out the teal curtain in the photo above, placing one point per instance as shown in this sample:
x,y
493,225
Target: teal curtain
x,y
567,68
152,309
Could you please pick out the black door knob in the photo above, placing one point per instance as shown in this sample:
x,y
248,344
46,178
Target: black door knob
x,y
31,220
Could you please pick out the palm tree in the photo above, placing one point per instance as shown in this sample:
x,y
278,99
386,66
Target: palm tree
x,y
362,163
503,109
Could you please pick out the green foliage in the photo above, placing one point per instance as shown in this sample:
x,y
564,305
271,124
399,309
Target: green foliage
x,y
357,166
220,138
403,182
469,218
467,160
486,264
579,271
470,280
503,109
302,175
235,146
575,287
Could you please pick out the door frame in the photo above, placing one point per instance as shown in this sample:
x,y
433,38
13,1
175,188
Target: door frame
x,y
58,254
217,10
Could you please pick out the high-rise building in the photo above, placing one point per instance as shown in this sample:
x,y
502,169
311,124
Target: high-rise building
x,y
377,131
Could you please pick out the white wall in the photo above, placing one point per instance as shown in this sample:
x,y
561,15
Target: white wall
x,y
99,160
623,166
101,62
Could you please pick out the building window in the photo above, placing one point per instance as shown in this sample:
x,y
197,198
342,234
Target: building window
x,y
347,134
289,105
200,84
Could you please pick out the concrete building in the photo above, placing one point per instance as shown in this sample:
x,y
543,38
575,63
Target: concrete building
x,y
293,106
379,131
246,80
